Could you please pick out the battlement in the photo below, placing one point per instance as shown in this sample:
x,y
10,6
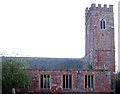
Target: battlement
x,y
100,8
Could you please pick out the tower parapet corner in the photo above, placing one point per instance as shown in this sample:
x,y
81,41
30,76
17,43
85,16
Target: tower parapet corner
x,y
86,10
111,6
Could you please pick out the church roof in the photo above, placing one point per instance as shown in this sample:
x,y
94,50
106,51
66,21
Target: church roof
x,y
53,63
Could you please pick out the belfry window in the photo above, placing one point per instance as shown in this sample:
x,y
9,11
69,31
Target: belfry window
x,y
67,81
89,81
102,24
45,81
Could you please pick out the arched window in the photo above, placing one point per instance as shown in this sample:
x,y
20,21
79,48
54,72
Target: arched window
x,y
102,24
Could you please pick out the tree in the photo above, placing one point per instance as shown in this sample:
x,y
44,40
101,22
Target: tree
x,y
14,75
118,83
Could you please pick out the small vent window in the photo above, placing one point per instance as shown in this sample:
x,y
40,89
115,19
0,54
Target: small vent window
x,y
102,24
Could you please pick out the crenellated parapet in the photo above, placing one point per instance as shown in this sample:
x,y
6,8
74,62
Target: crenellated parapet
x,y
100,8
97,9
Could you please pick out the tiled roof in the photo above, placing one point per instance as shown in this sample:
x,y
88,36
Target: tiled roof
x,y
54,63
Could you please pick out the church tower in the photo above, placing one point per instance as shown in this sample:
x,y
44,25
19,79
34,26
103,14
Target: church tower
x,y
100,47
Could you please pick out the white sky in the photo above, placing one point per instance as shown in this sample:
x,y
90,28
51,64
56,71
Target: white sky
x,y
47,28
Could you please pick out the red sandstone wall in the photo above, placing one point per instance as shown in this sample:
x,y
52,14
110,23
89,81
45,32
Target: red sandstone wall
x,y
102,81
56,79
100,47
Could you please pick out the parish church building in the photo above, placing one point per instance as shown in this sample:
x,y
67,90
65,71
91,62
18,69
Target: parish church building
x,y
93,73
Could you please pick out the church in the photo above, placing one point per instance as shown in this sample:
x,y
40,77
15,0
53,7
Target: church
x,y
94,72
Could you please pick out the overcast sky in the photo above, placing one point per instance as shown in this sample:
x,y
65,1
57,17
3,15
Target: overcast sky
x,y
46,28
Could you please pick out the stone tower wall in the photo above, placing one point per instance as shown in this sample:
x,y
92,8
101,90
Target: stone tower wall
x,y
100,47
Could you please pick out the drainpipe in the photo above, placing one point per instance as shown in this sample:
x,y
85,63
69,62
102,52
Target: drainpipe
x,y
78,81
